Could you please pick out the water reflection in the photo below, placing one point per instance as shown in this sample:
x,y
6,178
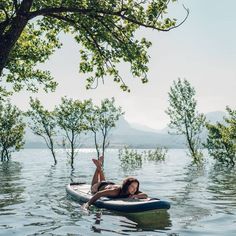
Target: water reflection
x,y
222,187
192,184
10,187
202,198
190,201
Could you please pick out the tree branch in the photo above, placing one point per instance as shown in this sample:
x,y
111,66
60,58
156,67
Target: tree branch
x,y
52,10
152,26
15,4
48,11
92,40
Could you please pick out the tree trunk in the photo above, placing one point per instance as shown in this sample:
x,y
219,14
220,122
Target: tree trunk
x,y
7,155
52,151
103,144
189,140
72,150
96,144
54,156
10,37
2,156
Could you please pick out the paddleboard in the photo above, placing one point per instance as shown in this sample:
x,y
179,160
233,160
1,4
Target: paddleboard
x,y
81,192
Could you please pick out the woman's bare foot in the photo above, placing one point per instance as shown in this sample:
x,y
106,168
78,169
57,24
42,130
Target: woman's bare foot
x,y
101,159
97,164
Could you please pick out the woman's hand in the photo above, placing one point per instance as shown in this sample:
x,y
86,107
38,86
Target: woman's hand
x,y
139,196
85,206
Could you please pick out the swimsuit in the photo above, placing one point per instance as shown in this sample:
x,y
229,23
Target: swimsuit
x,y
103,184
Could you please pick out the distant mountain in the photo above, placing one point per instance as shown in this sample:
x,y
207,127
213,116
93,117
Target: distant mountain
x,y
215,116
133,135
125,134
144,128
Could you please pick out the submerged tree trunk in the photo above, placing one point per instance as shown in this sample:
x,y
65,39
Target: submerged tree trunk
x,y
5,155
2,156
8,155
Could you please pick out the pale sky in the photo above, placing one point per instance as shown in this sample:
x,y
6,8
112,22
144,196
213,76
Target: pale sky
x,y
202,50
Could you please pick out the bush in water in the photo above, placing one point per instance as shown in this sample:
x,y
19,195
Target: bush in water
x,y
131,158
221,140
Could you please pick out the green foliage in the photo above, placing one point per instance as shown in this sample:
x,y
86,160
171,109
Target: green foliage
x,y
43,123
184,118
29,34
71,114
159,154
221,140
11,129
33,47
101,119
131,158
74,117
71,118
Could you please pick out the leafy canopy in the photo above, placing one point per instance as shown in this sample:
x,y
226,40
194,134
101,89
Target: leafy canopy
x,y
105,30
221,140
11,129
43,123
184,117
101,119
71,118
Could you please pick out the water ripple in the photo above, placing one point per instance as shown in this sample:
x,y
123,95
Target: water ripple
x,y
33,200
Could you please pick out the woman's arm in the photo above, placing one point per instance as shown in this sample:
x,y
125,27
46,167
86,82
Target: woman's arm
x,y
139,195
103,193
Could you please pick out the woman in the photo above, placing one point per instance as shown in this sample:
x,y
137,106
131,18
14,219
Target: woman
x,y
102,188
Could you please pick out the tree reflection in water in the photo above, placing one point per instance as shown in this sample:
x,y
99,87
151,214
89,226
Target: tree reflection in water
x,y
189,202
10,187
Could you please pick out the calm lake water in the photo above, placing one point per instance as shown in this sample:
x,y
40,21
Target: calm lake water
x,y
33,200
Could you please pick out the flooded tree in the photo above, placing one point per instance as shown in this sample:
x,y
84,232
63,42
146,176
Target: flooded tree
x,y
184,117
221,140
101,120
43,123
105,30
11,130
71,118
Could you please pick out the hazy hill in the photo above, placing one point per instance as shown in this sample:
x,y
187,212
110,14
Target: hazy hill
x,y
215,116
134,135
124,133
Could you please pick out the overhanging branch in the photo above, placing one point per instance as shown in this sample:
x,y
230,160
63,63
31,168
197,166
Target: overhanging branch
x,y
53,10
92,11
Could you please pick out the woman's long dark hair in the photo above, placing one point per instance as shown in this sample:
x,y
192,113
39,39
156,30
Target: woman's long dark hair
x,y
125,185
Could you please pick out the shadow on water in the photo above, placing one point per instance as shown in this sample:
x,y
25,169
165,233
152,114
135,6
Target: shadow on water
x,y
151,220
10,188
133,222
